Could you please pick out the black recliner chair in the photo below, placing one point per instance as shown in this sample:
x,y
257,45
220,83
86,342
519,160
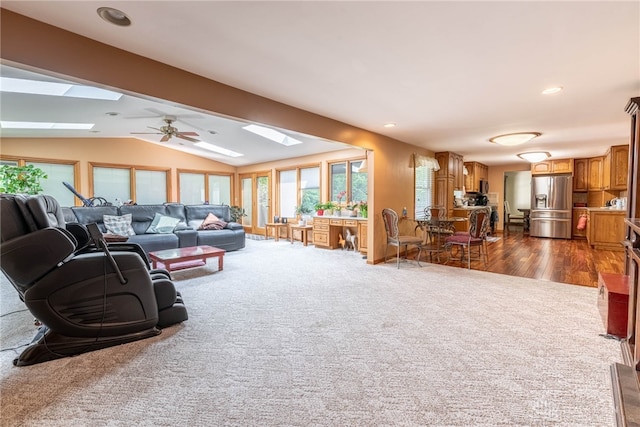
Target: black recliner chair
x,y
86,298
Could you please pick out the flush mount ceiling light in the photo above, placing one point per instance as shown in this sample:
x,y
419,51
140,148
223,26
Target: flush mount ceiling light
x,y
552,90
535,156
511,139
114,16
389,125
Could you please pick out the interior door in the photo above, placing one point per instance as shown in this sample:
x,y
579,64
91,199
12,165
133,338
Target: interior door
x,y
255,199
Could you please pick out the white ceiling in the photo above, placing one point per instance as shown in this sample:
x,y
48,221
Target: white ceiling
x,y
450,74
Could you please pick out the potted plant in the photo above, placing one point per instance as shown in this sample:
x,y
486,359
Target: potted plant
x,y
363,209
329,207
236,213
21,179
319,207
301,212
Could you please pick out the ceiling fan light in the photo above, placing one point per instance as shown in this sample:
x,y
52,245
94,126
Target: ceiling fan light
x,y
535,156
511,139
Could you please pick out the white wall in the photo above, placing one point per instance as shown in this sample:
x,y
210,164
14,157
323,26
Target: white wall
x,y
517,188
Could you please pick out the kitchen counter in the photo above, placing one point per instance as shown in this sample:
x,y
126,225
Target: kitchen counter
x,y
604,209
470,208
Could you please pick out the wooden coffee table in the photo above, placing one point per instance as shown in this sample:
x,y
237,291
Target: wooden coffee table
x,y
181,258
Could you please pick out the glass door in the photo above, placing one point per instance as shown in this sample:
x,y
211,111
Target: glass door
x,y
256,201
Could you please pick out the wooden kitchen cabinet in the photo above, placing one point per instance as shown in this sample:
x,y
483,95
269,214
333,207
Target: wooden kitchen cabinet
x,y
606,229
596,172
450,177
552,166
575,233
580,175
615,168
476,172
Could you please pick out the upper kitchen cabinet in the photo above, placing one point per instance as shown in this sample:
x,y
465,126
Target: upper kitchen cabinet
x,y
476,172
450,177
552,166
615,168
580,175
595,173
451,166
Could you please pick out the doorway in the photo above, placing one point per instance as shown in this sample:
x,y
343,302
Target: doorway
x,y
517,191
255,199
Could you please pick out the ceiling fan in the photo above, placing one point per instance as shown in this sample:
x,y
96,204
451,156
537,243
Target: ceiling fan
x,y
169,131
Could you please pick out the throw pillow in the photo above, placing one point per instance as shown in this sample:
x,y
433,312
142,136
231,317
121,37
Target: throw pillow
x,y
119,225
212,222
162,224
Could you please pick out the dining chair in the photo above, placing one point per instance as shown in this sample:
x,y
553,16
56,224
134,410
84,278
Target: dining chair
x,y
394,238
511,218
476,237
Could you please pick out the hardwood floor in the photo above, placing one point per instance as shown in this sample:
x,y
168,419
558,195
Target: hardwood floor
x,y
557,260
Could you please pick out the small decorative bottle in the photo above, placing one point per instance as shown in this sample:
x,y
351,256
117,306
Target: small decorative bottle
x,y
404,212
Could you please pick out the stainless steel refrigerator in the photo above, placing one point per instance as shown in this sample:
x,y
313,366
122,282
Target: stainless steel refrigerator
x,y
551,206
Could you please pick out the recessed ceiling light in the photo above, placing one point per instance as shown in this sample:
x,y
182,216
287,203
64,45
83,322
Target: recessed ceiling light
x,y
552,90
517,138
114,16
112,113
389,125
535,156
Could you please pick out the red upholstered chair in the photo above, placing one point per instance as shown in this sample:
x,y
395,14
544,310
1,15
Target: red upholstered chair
x,y
394,238
476,237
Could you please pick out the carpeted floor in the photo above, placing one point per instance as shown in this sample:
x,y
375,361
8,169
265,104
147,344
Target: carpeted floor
x,y
289,335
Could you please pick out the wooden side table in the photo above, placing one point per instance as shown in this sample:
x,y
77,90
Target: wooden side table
x,y
304,232
276,226
613,302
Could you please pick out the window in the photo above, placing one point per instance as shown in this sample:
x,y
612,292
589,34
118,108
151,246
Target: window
x,y
346,177
288,193
112,184
309,188
201,187
143,185
298,187
151,187
423,189
56,175
220,189
57,171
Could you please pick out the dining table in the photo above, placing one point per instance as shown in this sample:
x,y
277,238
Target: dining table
x,y
435,231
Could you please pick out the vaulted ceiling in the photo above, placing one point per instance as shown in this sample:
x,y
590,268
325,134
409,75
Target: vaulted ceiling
x,y
450,75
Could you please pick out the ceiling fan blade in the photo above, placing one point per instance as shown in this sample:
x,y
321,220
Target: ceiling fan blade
x,y
188,133
181,135
146,133
165,138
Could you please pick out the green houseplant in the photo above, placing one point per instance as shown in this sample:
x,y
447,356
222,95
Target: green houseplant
x,y
236,213
21,179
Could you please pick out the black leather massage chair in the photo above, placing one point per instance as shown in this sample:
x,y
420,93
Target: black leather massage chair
x,y
86,295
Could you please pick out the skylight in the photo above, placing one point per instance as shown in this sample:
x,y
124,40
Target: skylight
x,y
45,125
272,134
217,149
8,84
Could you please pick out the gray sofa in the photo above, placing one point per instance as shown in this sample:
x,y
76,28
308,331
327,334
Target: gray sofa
x,y
186,233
